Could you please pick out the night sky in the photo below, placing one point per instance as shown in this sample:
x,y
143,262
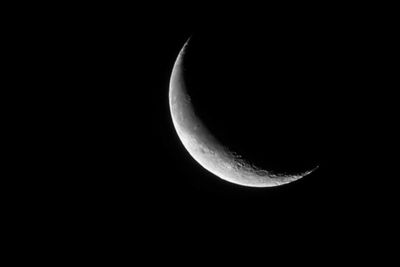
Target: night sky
x,y
289,90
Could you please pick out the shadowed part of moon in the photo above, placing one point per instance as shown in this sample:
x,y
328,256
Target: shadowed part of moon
x,y
205,148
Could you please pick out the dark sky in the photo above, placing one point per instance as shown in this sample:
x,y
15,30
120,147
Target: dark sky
x,y
289,91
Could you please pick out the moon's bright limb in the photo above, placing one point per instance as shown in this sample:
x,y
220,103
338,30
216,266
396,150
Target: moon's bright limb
x,y
204,147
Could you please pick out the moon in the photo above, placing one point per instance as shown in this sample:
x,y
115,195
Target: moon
x,y
205,148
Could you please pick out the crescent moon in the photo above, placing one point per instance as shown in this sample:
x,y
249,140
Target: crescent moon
x,y
205,148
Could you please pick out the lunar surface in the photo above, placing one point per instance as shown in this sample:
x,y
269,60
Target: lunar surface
x,y
205,148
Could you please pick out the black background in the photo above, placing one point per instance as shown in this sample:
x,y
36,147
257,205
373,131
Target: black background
x,y
289,88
